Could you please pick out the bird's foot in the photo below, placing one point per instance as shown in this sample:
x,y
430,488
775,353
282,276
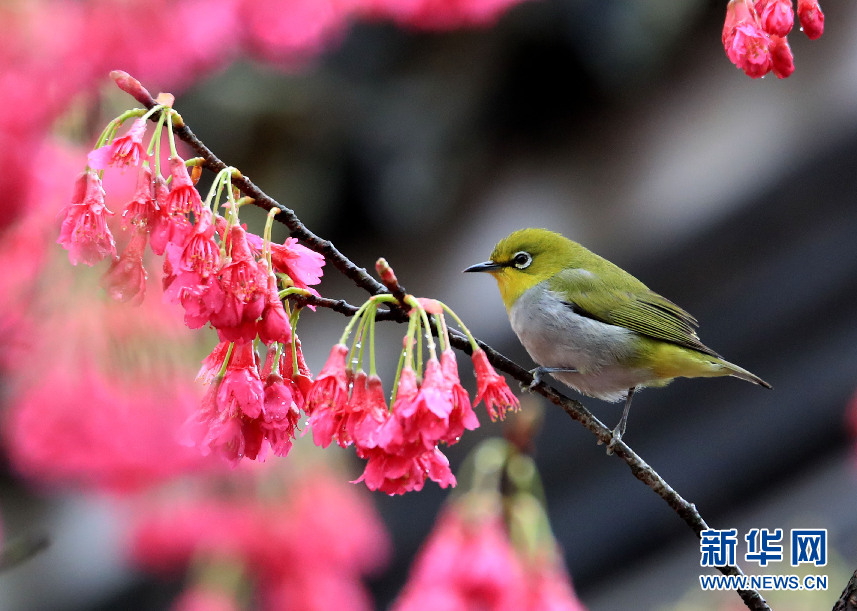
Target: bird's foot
x,y
614,439
539,372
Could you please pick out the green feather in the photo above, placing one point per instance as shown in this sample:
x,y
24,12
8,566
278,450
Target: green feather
x,y
632,306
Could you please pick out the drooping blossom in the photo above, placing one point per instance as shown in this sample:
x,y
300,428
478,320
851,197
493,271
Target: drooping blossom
x,y
183,198
748,47
754,34
164,227
243,284
280,414
274,324
461,417
84,232
329,391
123,151
811,18
125,281
777,16
300,263
782,59
142,210
367,412
492,388
394,473
228,421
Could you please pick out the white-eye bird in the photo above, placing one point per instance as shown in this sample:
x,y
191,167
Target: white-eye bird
x,y
592,325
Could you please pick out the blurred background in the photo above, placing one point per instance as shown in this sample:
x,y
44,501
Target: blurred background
x,y
424,132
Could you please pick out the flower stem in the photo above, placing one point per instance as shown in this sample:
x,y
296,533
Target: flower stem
x,y
458,321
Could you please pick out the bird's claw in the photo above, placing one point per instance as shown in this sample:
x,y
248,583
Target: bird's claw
x,y
614,439
537,374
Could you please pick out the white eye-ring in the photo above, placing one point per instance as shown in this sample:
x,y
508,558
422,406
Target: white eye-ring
x,y
522,260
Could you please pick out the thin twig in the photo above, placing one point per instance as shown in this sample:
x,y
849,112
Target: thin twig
x,y
639,468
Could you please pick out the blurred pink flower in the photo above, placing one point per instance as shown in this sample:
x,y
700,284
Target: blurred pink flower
x,y
777,16
125,281
782,59
473,563
470,563
200,598
290,33
308,561
811,18
748,47
438,14
77,427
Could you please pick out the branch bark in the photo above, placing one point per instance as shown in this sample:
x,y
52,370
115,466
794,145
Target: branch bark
x,y
639,468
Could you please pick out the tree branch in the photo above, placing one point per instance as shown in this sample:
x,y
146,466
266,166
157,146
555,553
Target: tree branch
x,y
639,468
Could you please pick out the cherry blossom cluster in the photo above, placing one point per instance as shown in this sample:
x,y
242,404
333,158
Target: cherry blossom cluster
x,y
755,31
218,272
429,406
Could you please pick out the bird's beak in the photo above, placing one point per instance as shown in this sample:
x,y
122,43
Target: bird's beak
x,y
487,266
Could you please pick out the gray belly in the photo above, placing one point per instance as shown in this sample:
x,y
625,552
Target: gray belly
x,y
555,336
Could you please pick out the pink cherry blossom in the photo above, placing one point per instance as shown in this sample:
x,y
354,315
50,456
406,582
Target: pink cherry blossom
x,y
243,283
396,474
462,417
274,325
811,18
330,388
777,16
183,197
748,47
281,415
492,388
142,210
783,61
84,232
241,392
367,417
425,416
300,263
127,150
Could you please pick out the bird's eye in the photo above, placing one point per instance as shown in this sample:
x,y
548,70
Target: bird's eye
x,y
522,260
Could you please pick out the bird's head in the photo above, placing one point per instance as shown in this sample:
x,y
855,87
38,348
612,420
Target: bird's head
x,y
526,257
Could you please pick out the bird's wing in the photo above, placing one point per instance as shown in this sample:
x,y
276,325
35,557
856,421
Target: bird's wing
x,y
634,307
